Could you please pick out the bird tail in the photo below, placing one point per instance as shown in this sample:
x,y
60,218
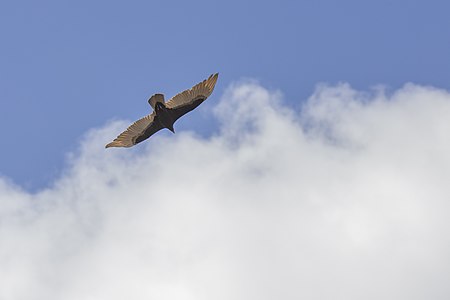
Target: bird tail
x,y
154,99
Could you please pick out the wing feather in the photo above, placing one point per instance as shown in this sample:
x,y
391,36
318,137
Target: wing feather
x,y
129,136
201,90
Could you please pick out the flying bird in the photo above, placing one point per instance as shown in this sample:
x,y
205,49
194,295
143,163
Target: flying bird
x,y
165,114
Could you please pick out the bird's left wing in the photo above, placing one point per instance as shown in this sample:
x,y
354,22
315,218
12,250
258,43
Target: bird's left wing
x,y
137,132
187,100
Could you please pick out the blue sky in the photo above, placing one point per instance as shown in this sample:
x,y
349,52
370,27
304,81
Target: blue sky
x,y
71,66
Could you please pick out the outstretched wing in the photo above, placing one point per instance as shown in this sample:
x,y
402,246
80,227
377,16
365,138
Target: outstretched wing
x,y
137,132
187,100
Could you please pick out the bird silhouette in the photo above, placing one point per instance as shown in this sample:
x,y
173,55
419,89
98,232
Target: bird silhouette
x,y
165,114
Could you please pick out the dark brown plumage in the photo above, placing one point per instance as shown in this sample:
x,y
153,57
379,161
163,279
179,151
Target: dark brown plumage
x,y
165,113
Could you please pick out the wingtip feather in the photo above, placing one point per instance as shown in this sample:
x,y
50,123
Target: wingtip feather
x,y
214,76
117,144
212,80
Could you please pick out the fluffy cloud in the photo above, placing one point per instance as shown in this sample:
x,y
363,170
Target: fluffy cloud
x,y
346,199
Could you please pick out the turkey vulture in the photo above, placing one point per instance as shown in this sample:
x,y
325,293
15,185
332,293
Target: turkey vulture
x,y
165,113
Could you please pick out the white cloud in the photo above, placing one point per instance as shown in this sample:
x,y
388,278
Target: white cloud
x,y
347,199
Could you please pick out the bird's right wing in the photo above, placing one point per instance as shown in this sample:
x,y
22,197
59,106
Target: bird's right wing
x,y
187,100
137,132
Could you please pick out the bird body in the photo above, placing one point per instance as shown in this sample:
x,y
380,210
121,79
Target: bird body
x,y
165,114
